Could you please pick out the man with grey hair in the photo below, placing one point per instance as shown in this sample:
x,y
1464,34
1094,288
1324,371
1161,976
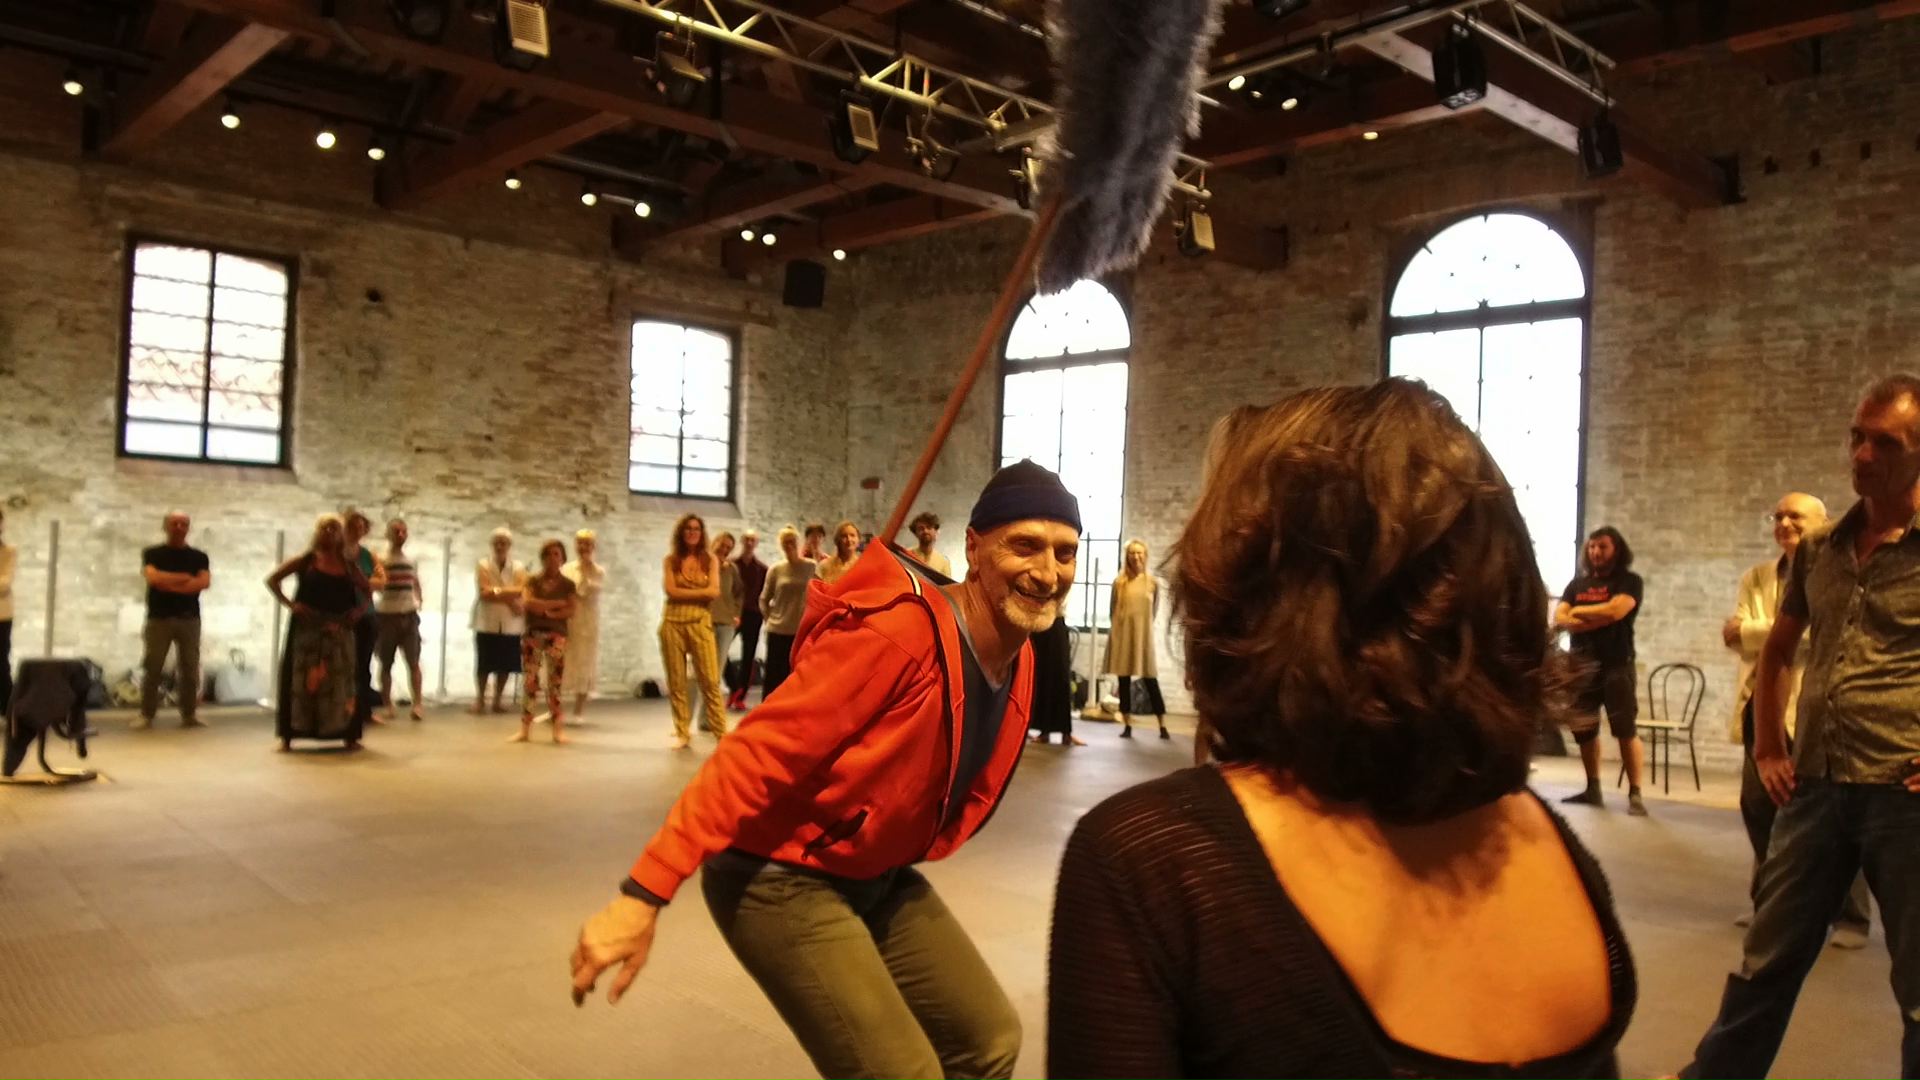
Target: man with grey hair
x,y
176,575
1796,514
1849,795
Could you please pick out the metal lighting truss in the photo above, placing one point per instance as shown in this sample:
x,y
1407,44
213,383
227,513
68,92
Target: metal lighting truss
x,y
1556,61
1004,118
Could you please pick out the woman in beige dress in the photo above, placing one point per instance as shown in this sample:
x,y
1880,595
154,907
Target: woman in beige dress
x,y
1136,597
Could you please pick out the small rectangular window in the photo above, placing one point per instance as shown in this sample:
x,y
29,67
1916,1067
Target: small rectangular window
x,y
206,373
681,428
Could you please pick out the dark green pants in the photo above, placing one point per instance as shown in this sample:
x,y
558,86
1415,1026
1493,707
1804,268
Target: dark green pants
x,y
876,978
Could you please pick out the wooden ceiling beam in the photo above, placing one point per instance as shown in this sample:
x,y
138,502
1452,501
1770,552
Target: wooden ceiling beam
x,y
743,204
454,100
602,79
215,54
528,135
1531,99
1693,33
166,25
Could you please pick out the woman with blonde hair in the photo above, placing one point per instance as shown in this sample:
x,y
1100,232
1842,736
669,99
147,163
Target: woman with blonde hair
x,y
691,578
783,600
1364,885
846,551
583,630
317,687
726,610
1131,608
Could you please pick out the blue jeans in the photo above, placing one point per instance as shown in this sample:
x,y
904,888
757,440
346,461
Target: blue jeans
x,y
1828,833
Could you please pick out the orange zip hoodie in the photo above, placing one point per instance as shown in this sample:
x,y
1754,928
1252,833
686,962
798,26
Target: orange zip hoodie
x,y
848,767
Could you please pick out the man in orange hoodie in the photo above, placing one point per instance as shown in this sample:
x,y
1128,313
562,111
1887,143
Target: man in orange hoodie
x,y
890,744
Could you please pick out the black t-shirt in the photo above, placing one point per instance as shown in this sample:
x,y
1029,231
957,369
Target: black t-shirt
x,y
173,560
1612,644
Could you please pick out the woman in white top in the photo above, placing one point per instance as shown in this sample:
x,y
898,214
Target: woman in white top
x,y
583,630
9,560
499,620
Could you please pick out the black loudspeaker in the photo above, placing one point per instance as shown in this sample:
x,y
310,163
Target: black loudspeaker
x,y
806,284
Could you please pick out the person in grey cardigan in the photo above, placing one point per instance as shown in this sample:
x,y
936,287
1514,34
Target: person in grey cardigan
x,y
783,600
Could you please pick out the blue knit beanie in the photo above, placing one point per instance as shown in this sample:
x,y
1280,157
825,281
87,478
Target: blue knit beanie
x,y
1024,491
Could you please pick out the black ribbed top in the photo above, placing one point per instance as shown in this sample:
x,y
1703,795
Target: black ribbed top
x,y
1187,957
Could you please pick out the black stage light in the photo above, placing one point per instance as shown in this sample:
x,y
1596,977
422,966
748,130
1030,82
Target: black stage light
x,y
1600,153
1459,69
854,129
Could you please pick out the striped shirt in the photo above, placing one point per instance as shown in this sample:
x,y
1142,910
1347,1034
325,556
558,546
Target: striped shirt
x,y
401,596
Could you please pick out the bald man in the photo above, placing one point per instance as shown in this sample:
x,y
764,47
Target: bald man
x,y
1795,515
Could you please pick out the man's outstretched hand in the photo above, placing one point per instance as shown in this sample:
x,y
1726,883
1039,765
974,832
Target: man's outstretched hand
x,y
620,933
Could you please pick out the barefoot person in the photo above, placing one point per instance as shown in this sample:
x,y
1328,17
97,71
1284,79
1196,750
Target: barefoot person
x,y
809,818
549,602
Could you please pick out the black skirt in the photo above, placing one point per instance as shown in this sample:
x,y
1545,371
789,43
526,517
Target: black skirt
x,y
496,654
1052,681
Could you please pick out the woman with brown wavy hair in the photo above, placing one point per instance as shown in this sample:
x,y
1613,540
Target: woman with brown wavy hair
x,y
691,578
1363,885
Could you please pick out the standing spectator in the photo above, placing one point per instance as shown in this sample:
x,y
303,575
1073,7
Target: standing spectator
x,y
548,603
397,616
1131,608
589,579
176,576
1052,684
1745,632
816,539
9,562
846,551
1598,610
366,632
691,579
753,578
500,586
1363,886
784,599
1849,794
317,699
726,610
926,529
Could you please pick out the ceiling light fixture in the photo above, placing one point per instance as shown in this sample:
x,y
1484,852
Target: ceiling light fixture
x,y
839,254
1370,136
1459,69
377,149
230,116
326,139
73,84
1238,82
854,130
513,180
588,198
641,208
769,239
1290,102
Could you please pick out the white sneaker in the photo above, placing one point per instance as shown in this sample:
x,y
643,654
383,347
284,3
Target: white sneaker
x,y
678,742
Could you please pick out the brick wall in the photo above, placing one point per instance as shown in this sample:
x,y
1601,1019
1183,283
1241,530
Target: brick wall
x,y
1728,345
488,386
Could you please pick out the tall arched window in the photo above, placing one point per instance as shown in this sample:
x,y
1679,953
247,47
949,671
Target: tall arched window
x,y
1492,314
1063,403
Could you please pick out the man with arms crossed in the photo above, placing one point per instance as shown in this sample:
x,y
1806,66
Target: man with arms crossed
x,y
889,745
176,576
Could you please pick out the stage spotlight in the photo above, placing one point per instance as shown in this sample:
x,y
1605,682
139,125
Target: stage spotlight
x,y
325,139
1193,231
1600,153
520,38
230,116
1026,180
675,74
641,208
854,130
1280,9
422,20
513,180
1459,69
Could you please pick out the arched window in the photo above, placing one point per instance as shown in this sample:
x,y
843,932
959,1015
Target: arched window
x,y
1063,403
1492,314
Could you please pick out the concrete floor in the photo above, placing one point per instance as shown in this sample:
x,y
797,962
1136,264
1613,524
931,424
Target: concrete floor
x,y
218,909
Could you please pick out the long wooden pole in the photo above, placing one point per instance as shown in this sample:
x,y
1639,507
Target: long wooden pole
x,y
1011,293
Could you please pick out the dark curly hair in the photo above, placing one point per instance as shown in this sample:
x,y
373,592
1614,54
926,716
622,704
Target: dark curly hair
x,y
1622,554
1361,604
